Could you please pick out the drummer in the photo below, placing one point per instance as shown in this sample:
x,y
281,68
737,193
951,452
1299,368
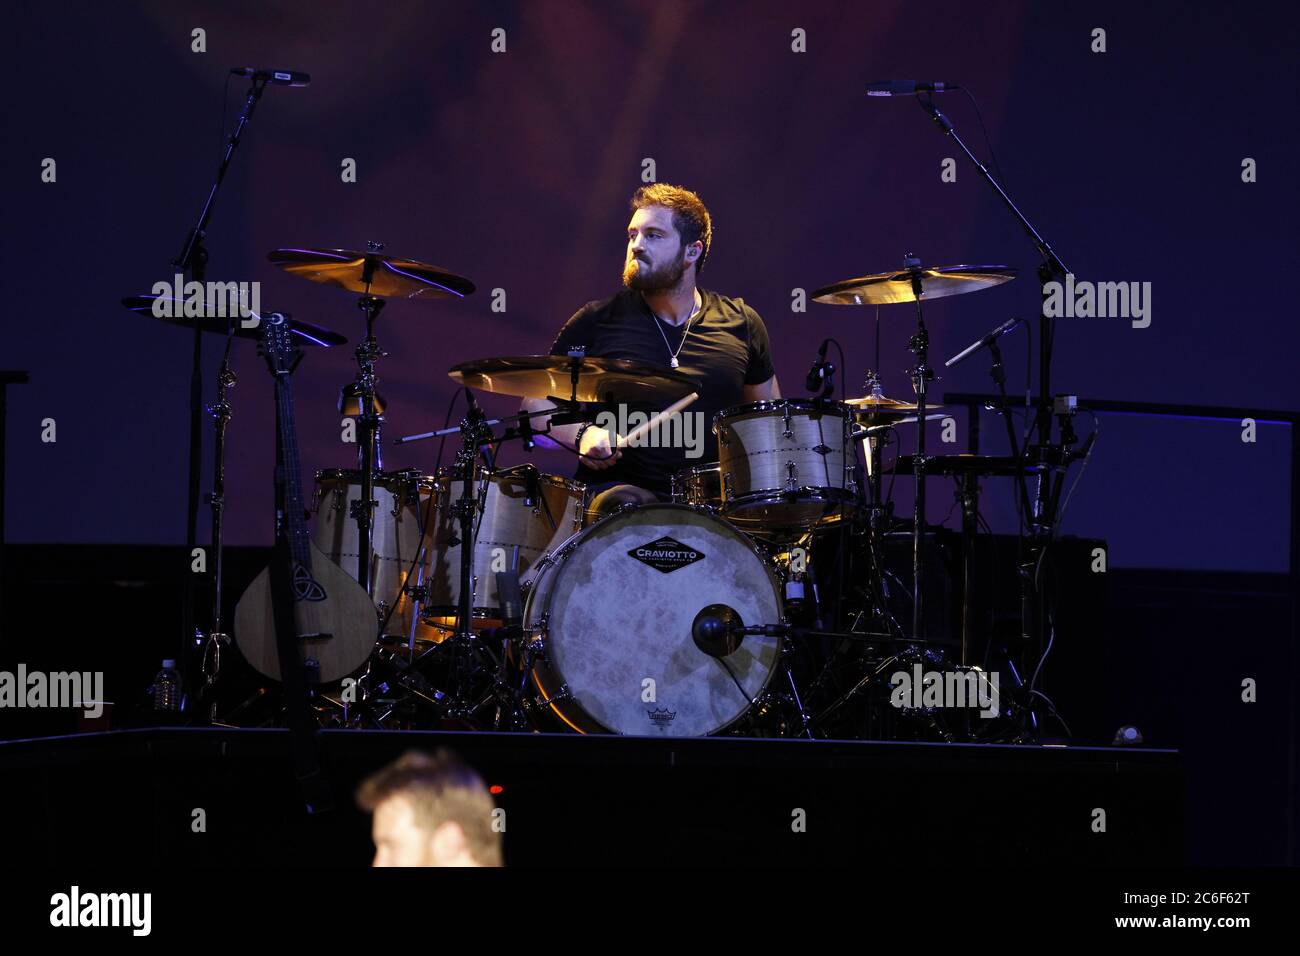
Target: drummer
x,y
663,317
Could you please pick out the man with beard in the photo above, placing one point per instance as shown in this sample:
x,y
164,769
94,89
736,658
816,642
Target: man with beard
x,y
662,317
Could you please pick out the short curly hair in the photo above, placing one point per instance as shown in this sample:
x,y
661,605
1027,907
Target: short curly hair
x,y
691,217
439,788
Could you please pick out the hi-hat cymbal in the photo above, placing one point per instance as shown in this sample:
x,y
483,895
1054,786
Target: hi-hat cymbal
x,y
372,273
885,288
543,376
304,333
880,405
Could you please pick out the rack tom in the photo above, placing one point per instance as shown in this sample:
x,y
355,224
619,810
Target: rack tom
x,y
784,464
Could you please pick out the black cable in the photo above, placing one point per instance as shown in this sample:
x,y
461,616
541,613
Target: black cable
x,y
446,422
221,120
1096,432
732,674
987,140
423,523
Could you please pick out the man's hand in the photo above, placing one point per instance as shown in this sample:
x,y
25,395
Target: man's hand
x,y
595,449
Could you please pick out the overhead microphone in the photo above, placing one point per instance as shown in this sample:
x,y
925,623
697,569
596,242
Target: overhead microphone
x,y
987,340
277,77
907,87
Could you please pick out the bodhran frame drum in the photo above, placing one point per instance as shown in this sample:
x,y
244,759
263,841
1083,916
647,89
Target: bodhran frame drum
x,y
785,464
611,616
523,513
396,555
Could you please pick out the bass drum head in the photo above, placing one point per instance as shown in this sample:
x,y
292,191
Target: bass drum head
x,y
615,607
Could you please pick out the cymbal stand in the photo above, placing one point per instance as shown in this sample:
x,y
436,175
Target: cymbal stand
x,y
919,346
363,511
220,412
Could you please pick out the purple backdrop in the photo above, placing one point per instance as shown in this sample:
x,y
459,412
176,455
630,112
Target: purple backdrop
x,y
514,169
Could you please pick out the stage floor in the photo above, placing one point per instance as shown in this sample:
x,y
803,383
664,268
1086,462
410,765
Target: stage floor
x,y
139,796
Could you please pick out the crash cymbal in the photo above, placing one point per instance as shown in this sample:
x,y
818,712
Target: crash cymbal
x,y
304,333
372,273
885,288
542,376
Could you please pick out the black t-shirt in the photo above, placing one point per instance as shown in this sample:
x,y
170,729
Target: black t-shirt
x,y
727,349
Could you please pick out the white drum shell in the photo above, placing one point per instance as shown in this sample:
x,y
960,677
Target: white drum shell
x,y
619,655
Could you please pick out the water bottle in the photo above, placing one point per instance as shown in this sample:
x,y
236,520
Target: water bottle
x,y
167,689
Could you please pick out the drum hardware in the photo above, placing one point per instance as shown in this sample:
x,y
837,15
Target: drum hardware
x,y
913,284
302,334
192,263
376,277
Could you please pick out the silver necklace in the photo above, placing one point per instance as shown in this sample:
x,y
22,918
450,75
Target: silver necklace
x,y
672,356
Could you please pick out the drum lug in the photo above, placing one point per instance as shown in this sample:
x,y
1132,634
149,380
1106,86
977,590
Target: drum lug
x,y
792,476
785,418
728,486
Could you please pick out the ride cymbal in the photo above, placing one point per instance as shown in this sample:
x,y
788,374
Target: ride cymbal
x,y
885,288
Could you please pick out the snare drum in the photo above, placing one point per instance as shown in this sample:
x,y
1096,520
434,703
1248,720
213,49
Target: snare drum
x,y
785,464
612,613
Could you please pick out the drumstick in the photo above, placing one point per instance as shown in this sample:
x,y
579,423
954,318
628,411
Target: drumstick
x,y
621,441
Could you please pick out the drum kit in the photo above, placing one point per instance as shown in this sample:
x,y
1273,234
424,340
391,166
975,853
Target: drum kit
x,y
759,600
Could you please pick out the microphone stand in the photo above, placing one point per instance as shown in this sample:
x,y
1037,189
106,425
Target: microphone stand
x,y
919,345
193,263
1043,517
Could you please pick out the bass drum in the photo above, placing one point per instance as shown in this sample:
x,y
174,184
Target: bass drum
x,y
613,609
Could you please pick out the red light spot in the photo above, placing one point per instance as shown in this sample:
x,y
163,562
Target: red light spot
x,y
496,789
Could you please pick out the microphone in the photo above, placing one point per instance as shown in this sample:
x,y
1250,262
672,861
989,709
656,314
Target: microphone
x,y
278,77
820,368
907,88
989,339
718,630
